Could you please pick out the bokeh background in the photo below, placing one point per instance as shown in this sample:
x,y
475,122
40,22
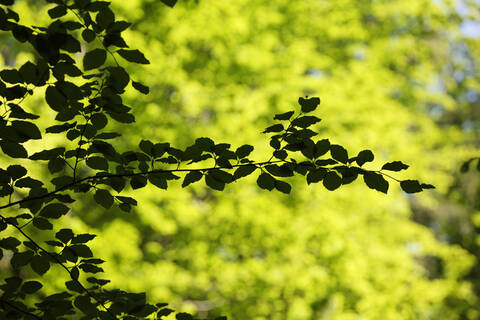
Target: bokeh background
x,y
399,77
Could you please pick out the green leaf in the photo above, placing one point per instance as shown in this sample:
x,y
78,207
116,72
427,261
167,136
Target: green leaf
x,y
54,210
275,128
64,235
283,186
284,116
133,56
98,163
395,166
244,151
308,105
13,150
375,181
140,87
364,156
40,264
30,287
191,177
103,198
266,181
410,186
339,153
16,171
332,181
94,59
42,224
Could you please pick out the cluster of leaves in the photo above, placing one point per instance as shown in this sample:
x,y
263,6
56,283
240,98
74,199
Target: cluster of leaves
x,y
85,96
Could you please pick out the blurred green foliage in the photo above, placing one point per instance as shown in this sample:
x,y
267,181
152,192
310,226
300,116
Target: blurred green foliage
x,y
396,76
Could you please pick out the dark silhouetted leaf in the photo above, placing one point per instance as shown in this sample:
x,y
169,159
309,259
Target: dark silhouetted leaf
x,y
244,151
64,235
266,181
275,128
30,287
284,116
88,35
57,12
47,154
103,198
305,121
339,153
42,224
308,105
54,210
13,149
94,59
364,156
332,181
191,177
394,166
16,171
40,264
410,186
98,163
169,3
283,186
376,181
133,56
83,238
140,87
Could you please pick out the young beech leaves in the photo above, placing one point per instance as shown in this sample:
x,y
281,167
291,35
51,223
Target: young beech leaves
x,y
85,163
